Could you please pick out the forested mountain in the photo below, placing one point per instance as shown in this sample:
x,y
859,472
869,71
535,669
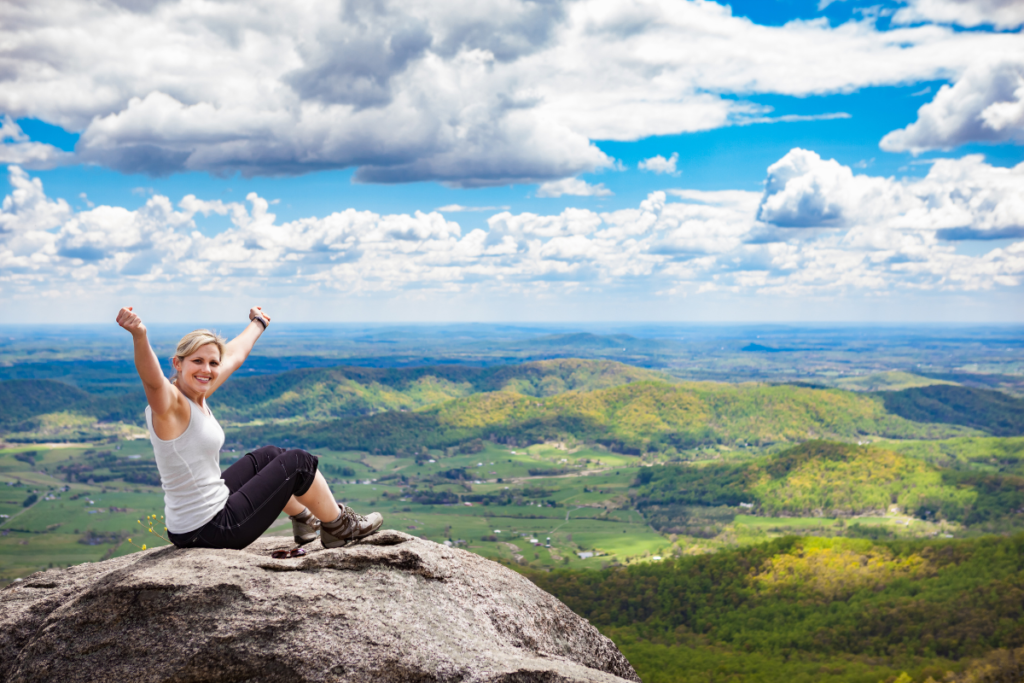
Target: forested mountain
x,y
24,398
992,411
347,391
634,418
21,400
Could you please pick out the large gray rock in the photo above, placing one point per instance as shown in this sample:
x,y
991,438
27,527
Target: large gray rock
x,y
392,608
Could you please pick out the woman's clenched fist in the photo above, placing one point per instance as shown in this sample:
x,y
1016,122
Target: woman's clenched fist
x,y
130,321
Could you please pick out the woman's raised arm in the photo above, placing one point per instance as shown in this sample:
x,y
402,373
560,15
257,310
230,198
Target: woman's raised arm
x,y
160,394
237,350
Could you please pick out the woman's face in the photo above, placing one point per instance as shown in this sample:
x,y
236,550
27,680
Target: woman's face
x,y
198,371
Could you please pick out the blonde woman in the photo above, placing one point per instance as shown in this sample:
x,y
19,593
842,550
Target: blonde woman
x,y
207,509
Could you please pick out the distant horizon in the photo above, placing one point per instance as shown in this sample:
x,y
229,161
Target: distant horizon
x,y
611,325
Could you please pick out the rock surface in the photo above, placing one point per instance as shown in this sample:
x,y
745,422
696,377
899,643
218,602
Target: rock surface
x,y
391,608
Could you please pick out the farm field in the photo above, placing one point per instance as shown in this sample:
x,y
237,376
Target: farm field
x,y
542,506
80,522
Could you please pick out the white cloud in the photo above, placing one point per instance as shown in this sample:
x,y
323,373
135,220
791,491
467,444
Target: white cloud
x,y
659,164
958,199
458,208
985,105
1002,14
16,148
572,186
866,234
27,209
794,118
467,93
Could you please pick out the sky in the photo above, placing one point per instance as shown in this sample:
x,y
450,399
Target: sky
x,y
512,160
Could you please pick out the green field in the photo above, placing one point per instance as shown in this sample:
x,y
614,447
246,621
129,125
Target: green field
x,y
77,525
584,499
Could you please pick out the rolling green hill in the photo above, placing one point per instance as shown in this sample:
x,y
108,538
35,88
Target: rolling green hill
x,y
821,478
322,393
346,391
980,454
23,401
992,411
632,418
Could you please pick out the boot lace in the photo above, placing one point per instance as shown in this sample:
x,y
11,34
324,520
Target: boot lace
x,y
352,516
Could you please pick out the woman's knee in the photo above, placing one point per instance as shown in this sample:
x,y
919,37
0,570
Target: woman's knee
x,y
300,460
303,465
264,455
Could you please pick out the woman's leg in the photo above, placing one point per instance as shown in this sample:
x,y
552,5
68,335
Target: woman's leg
x,y
263,486
318,499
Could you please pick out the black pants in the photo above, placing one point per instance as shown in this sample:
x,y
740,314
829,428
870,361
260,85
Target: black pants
x,y
261,484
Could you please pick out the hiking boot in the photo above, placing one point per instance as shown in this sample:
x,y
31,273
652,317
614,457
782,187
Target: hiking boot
x,y
305,527
349,526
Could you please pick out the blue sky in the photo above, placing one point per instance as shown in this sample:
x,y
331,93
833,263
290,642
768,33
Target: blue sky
x,y
811,160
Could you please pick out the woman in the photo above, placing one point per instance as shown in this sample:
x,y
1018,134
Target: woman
x,y
207,509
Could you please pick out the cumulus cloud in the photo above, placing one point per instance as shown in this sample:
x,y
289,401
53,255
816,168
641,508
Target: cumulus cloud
x,y
1001,14
16,148
572,186
817,228
469,93
659,164
985,105
958,199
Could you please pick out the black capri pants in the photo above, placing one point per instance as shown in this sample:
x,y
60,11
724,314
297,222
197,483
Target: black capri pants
x,y
261,483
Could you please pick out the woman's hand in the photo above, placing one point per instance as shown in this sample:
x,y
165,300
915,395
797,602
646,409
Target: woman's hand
x,y
130,321
257,312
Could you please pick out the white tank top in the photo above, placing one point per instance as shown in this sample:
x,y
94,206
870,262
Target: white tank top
x,y
190,471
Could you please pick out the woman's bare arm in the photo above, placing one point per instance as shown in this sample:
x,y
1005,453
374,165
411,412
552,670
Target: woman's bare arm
x,y
162,396
237,350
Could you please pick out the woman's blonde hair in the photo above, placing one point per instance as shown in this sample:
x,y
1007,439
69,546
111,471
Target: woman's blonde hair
x,y
191,343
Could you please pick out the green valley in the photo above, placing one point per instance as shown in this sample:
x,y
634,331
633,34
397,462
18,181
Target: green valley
x,y
763,532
